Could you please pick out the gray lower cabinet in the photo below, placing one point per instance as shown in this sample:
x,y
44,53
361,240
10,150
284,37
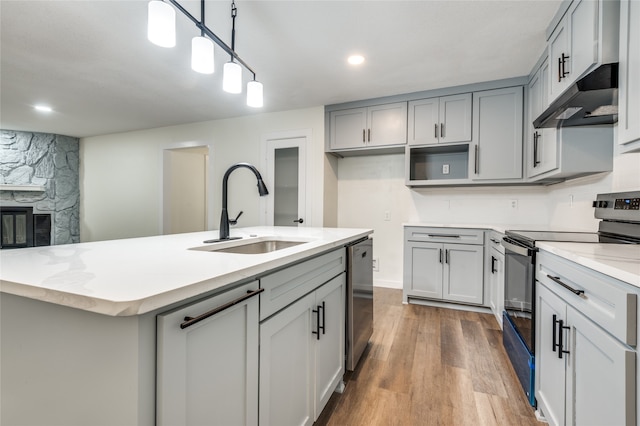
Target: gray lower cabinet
x,y
207,373
495,271
451,271
585,356
302,356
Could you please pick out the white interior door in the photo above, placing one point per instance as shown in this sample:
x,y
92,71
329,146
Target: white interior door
x,y
286,174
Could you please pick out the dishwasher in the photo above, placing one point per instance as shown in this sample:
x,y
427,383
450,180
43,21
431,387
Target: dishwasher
x,y
359,299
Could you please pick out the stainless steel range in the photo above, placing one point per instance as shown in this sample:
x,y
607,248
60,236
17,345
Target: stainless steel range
x,y
620,223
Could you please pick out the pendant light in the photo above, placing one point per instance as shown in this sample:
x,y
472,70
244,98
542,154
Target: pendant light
x,y
232,78
162,31
161,28
202,55
254,94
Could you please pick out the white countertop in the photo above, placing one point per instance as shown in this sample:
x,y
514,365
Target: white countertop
x,y
620,261
502,228
138,275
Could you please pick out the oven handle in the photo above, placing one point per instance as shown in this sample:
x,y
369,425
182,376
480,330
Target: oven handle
x,y
524,251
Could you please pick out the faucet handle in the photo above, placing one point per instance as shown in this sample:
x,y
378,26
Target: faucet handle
x,y
235,221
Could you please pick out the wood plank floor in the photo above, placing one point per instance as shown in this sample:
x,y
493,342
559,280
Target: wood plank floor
x,y
430,366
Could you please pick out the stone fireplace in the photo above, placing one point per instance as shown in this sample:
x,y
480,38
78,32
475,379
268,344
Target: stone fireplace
x,y
40,170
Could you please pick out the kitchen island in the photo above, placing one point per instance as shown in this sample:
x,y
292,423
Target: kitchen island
x,y
79,322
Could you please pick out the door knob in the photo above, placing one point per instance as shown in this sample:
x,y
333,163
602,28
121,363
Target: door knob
x,y
301,220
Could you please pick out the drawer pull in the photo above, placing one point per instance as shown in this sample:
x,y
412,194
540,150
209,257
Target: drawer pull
x,y
571,289
443,236
189,321
493,265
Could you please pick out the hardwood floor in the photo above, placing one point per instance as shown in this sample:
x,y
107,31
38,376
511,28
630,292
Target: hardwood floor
x,y
430,366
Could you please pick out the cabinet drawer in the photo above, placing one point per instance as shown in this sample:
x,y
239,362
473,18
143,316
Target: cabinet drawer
x,y
494,240
606,301
286,286
444,235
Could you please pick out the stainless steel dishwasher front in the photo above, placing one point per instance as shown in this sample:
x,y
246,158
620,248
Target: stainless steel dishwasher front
x,y
359,299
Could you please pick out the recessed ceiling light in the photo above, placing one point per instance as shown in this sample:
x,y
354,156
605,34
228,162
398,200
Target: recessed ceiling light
x,y
43,108
355,59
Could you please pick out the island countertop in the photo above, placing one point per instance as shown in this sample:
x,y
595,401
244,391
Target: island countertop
x,y
135,276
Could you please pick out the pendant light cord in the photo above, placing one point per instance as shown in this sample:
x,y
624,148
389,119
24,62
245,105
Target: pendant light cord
x,y
234,13
202,18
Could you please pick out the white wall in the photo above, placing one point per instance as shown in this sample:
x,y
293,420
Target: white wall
x,y
121,174
370,186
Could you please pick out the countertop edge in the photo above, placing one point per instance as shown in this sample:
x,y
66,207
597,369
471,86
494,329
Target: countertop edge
x,y
172,297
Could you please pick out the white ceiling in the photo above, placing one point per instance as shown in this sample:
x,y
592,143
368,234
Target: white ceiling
x,y
92,63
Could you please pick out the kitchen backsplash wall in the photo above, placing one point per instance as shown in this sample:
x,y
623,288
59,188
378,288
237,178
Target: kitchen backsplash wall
x,y
372,194
46,160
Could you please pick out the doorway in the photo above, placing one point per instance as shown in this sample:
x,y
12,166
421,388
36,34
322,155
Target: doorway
x,y
285,157
186,192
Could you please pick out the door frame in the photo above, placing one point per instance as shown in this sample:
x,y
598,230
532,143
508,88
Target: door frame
x,y
286,139
164,219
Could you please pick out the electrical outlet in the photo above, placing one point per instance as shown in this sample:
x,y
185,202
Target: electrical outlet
x,y
445,169
376,265
514,204
387,215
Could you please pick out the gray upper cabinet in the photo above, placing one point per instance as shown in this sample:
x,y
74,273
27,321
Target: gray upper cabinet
x,y
497,134
629,76
541,143
379,125
586,35
445,119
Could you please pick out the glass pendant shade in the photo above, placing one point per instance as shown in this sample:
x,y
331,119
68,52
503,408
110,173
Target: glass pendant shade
x,y
254,94
232,78
202,55
161,27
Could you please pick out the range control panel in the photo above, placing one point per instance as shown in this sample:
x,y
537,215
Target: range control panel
x,y
621,206
627,204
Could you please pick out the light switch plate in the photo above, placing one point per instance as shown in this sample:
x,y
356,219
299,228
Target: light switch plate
x,y
445,169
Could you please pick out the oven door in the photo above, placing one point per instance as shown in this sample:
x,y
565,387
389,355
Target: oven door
x,y
519,289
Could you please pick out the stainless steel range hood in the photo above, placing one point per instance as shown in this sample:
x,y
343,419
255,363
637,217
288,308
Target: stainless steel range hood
x,y
591,100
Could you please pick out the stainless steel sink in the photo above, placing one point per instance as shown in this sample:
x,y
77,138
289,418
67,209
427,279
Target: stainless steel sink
x,y
251,246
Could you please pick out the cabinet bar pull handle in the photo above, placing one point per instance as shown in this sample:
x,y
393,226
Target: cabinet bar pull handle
x,y
554,335
317,332
559,70
493,265
443,236
363,136
446,256
536,135
324,315
477,166
564,62
189,321
442,130
571,289
368,135
561,327
436,130
440,255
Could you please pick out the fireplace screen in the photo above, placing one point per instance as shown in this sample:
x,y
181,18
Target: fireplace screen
x,y
21,228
